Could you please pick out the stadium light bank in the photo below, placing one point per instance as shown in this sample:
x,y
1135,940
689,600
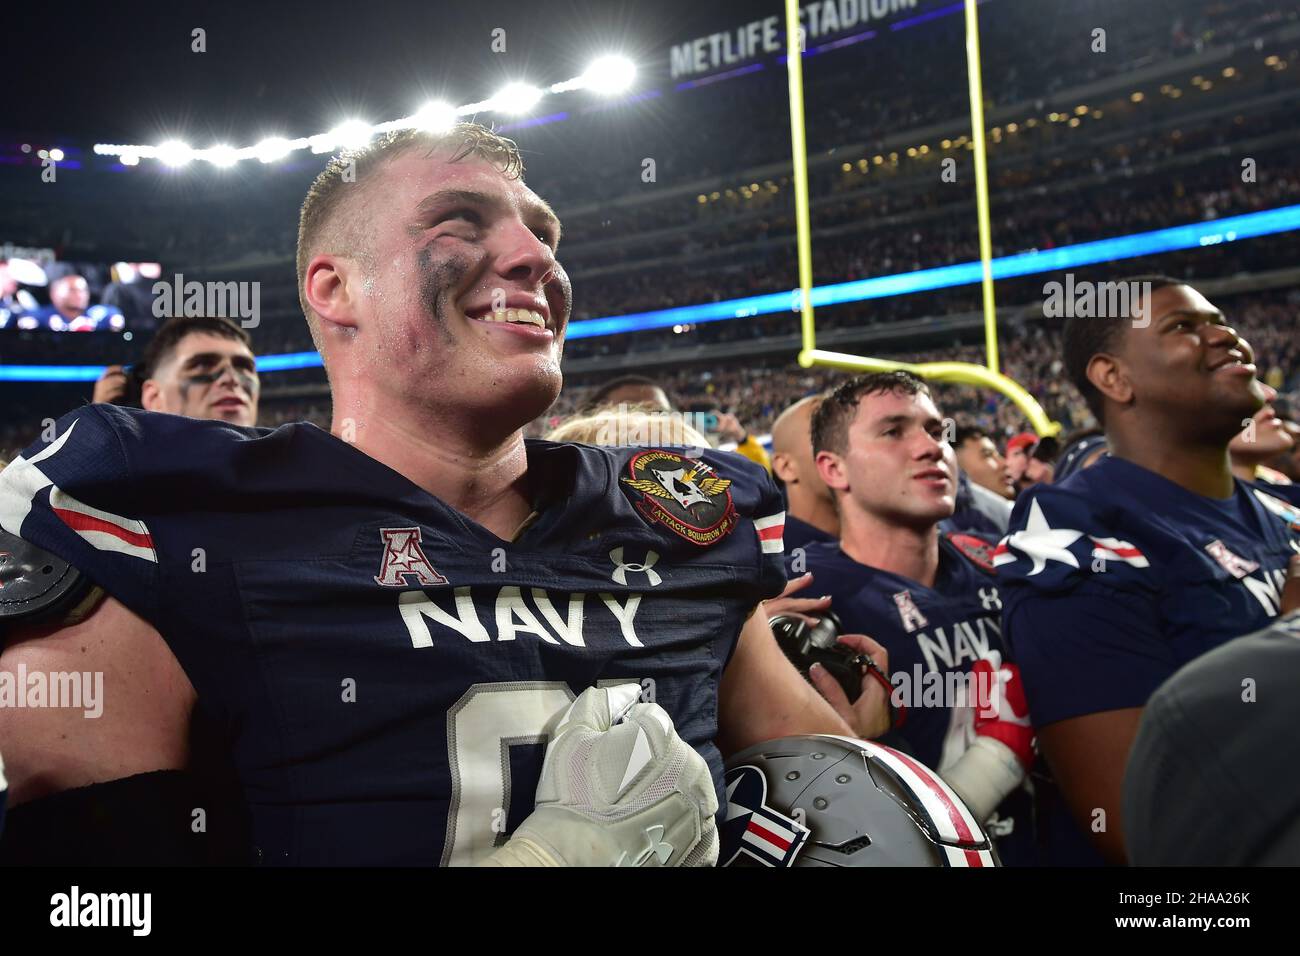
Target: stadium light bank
x,y
606,76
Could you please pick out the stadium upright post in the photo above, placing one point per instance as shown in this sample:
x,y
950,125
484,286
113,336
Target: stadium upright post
x,y
975,82
799,155
959,372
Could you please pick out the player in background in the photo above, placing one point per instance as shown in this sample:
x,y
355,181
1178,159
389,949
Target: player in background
x,y
1265,437
1023,463
984,485
368,619
931,599
1081,449
636,391
979,459
810,513
70,309
200,367
1115,578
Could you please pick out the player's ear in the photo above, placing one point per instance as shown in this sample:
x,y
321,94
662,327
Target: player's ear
x,y
151,397
830,467
1108,376
783,468
330,287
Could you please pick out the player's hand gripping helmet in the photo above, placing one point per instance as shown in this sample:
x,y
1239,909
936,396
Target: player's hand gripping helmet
x,y
836,801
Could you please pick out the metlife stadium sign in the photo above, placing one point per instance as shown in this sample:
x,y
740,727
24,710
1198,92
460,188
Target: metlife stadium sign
x,y
823,18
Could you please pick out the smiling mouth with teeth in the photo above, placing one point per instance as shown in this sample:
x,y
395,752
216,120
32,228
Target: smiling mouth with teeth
x,y
513,316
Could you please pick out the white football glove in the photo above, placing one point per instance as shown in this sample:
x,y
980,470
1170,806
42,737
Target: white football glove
x,y
618,788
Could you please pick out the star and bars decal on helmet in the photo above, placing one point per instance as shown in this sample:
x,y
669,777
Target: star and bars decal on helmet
x,y
1040,543
754,828
22,480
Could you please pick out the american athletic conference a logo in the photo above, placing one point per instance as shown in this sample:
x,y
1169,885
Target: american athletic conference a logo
x,y
402,556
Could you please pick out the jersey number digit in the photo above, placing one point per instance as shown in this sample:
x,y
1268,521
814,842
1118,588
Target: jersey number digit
x,y
483,725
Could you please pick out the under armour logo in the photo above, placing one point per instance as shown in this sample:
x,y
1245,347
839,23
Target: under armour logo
x,y
656,847
402,556
621,569
908,612
989,598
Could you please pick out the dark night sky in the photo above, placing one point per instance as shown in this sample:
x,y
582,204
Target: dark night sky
x,y
124,71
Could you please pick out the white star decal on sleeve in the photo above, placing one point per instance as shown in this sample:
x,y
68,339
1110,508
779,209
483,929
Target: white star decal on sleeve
x,y
1039,542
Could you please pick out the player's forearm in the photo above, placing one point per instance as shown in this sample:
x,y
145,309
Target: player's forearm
x,y
1087,756
984,775
763,697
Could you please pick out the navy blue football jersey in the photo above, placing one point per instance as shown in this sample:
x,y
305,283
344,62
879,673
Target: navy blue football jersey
x,y
1115,578
385,670
934,636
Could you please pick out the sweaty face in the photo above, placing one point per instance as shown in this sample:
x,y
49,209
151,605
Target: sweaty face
x,y
207,376
463,301
898,466
979,458
1189,365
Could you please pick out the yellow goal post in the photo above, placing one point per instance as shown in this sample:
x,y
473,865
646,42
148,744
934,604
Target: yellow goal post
x,y
987,376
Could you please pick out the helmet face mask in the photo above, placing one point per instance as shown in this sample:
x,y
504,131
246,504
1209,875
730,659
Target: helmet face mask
x,y
835,801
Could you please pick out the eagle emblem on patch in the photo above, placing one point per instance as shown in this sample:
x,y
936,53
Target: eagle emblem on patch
x,y
686,496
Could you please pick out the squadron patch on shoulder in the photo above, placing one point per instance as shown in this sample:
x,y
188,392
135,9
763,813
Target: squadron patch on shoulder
x,y
979,551
686,496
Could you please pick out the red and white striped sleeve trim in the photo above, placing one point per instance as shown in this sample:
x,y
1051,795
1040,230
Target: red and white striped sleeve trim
x,y
102,529
1113,549
23,479
771,531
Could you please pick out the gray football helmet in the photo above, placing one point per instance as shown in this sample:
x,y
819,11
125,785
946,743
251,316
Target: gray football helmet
x,y
837,801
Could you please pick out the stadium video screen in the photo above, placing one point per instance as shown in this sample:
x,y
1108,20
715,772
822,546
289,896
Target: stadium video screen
x,y
41,293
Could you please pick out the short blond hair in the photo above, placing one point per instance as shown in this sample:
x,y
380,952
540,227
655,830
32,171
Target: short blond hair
x,y
606,426
326,197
